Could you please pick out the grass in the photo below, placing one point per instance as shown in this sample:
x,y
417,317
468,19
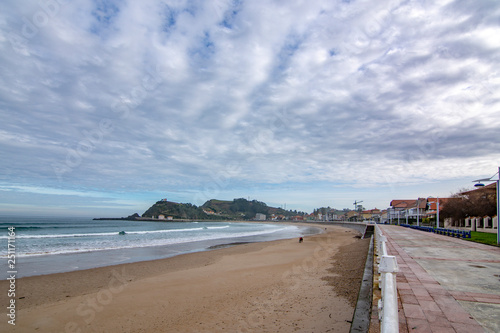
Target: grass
x,y
483,237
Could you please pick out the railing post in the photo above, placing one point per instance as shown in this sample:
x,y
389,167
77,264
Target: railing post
x,y
388,304
388,269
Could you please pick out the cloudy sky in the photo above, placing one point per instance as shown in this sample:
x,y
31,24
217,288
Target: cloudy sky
x,y
108,106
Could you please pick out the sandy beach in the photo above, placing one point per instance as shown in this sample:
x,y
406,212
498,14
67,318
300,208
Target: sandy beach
x,y
278,286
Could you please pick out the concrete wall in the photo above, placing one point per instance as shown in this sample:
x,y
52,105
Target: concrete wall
x,y
482,224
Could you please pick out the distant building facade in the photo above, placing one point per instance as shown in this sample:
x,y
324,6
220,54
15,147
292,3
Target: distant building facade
x,y
260,217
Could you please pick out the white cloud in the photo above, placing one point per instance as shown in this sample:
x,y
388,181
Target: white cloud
x,y
162,95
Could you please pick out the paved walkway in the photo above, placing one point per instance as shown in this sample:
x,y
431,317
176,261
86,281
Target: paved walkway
x,y
445,284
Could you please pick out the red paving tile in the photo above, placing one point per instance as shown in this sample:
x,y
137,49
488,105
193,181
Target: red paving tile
x,y
437,319
429,306
404,286
465,298
424,298
406,292
435,287
483,295
420,291
441,329
487,300
418,325
415,284
413,311
463,328
409,299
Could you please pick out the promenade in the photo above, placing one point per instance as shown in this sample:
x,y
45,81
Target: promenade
x,y
445,284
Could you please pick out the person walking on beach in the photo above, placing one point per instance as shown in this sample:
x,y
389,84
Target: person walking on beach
x,y
301,240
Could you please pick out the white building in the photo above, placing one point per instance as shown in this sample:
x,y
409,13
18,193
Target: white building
x,y
260,217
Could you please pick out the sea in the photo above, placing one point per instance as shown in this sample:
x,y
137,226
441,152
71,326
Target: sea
x,y
46,245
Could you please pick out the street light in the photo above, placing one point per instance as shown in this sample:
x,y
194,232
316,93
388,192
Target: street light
x,y
437,211
418,209
480,184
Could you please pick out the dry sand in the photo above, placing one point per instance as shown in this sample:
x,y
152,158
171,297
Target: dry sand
x,y
279,286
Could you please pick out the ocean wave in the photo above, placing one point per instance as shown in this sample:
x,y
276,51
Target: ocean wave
x,y
101,234
151,242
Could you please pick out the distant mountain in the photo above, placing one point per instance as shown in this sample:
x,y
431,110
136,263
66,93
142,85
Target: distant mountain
x,y
238,209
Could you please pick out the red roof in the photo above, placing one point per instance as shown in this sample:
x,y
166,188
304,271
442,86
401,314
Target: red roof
x,y
409,203
490,187
371,211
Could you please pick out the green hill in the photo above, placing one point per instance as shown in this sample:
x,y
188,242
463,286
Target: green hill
x,y
238,209
177,211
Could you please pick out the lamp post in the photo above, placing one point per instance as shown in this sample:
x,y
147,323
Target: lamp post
x,y
418,209
437,211
480,184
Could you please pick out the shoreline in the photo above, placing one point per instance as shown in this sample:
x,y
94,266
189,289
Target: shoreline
x,y
228,288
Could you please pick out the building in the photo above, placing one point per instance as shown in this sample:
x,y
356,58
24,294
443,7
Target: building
x,y
335,215
383,216
260,217
433,205
371,214
407,209
352,216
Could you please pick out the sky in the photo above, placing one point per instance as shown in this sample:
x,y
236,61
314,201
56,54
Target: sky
x,y
108,106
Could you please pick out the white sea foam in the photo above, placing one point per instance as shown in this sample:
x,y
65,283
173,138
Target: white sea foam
x,y
114,233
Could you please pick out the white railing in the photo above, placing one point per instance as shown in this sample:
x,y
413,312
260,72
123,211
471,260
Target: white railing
x,y
387,267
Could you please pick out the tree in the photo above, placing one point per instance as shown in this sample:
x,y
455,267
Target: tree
x,y
463,204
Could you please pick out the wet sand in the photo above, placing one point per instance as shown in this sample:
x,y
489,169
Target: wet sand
x,y
278,286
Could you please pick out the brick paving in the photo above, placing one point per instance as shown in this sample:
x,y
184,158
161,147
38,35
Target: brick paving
x,y
426,305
